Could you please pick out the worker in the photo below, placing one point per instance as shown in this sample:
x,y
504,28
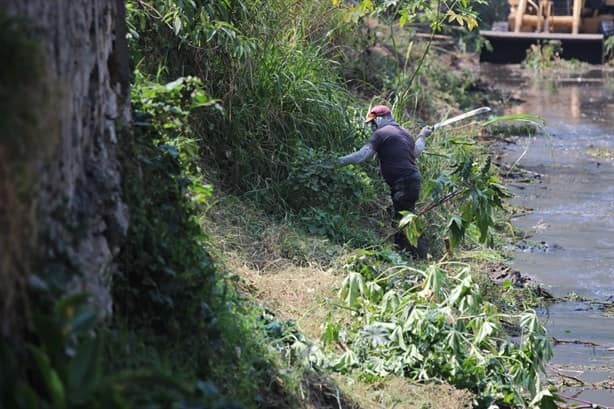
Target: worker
x,y
397,153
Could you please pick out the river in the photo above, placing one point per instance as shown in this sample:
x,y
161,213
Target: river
x,y
571,218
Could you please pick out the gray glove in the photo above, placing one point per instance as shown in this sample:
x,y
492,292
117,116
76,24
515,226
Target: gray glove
x,y
420,140
425,132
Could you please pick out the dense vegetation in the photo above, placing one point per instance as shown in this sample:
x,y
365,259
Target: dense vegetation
x,y
240,108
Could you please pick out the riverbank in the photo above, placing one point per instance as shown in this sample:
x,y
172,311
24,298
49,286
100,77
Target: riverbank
x,y
568,206
303,278
255,273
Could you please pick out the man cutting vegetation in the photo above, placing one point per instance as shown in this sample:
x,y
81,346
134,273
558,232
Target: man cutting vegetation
x,y
397,153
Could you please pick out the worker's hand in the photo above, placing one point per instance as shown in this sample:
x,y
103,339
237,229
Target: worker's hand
x,y
425,132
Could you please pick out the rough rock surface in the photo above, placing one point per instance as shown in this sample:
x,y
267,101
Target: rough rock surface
x,y
80,214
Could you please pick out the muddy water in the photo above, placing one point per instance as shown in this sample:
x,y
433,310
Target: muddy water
x,y
571,251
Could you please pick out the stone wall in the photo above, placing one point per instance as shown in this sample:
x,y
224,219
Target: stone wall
x,y
81,219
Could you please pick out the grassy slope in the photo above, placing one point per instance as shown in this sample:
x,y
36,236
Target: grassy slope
x,y
282,261
297,276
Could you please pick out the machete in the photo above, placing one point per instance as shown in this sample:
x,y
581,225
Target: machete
x,y
460,117
420,142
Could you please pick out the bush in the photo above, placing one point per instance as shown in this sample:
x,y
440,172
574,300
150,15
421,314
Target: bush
x,y
165,270
331,200
314,180
543,56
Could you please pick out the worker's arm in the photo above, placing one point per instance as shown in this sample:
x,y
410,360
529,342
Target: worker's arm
x,y
420,141
357,157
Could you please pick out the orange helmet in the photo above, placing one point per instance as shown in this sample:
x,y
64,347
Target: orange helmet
x,y
379,110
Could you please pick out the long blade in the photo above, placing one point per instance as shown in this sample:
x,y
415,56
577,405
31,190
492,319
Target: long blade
x,y
460,117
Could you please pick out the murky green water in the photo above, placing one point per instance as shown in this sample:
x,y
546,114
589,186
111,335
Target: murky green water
x,y
572,217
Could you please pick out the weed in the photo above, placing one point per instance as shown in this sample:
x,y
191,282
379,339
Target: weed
x,y
274,96
315,180
543,56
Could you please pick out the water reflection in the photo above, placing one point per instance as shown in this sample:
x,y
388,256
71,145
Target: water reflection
x,y
578,98
573,209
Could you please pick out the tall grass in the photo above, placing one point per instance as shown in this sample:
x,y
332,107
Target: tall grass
x,y
289,97
267,62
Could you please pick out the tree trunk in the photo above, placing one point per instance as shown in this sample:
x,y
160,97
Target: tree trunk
x,y
80,218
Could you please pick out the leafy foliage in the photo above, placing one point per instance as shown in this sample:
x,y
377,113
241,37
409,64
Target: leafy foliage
x,y
413,226
314,180
409,12
165,269
436,325
65,370
477,195
277,87
182,317
330,200
543,56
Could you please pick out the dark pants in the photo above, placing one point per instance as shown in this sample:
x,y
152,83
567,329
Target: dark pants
x,y
405,193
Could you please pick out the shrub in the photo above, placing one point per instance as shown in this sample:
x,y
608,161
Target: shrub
x,y
314,180
164,267
543,56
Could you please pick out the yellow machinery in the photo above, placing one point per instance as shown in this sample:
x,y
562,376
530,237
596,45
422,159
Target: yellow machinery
x,y
580,25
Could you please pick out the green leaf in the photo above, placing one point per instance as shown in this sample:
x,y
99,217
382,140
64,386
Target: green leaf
x,y
84,320
397,338
485,330
346,361
84,371
531,118
413,226
436,279
177,24
377,334
390,302
177,84
545,399
50,377
454,341
352,288
373,292
456,228
331,333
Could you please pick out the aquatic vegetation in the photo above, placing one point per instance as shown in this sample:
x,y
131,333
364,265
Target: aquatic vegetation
x,y
543,56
